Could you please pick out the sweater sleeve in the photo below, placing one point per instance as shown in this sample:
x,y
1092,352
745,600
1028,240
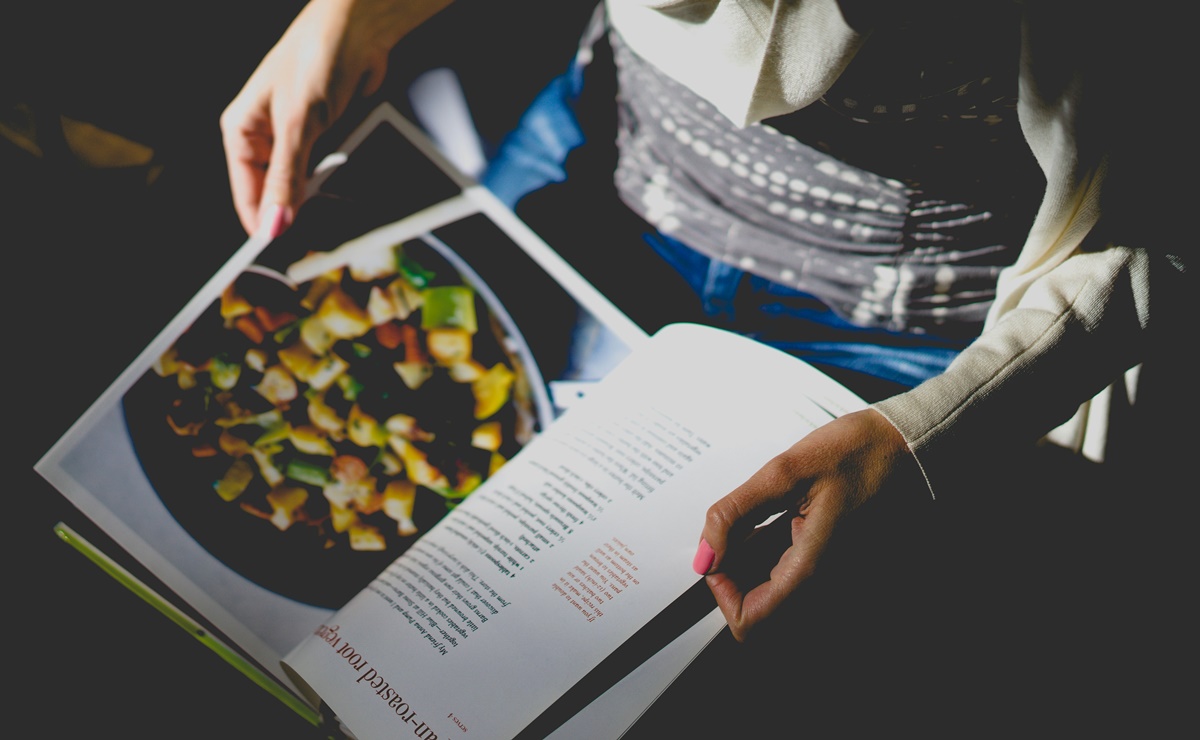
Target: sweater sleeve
x,y
1073,333
1076,311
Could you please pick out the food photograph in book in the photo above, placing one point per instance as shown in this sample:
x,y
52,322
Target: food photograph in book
x,y
306,433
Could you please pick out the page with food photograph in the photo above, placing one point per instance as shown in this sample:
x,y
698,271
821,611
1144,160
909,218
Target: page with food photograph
x,y
330,395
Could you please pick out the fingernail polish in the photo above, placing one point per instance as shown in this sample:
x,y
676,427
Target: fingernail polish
x,y
275,219
703,561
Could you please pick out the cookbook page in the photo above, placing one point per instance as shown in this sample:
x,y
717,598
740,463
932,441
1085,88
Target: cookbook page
x,y
564,555
230,457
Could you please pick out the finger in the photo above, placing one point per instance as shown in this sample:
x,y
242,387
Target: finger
x,y
247,152
766,573
777,488
748,566
751,560
287,169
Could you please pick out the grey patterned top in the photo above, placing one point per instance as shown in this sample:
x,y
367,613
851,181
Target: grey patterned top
x,y
896,201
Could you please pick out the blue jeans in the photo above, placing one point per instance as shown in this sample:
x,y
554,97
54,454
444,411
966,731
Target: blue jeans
x,y
801,324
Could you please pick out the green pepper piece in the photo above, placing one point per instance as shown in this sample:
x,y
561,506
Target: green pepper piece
x,y
308,472
281,336
223,373
276,432
412,271
349,386
449,307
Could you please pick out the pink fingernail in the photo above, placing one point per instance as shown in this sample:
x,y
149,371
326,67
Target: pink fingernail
x,y
703,561
276,219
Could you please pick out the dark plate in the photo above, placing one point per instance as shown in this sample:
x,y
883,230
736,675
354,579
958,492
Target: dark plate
x,y
299,562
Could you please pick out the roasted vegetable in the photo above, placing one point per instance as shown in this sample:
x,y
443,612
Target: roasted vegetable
x,y
346,406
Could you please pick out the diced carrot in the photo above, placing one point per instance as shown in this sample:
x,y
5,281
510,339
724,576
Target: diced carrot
x,y
272,321
390,334
348,468
249,327
412,344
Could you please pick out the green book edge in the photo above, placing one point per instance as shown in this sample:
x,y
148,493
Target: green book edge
x,y
248,669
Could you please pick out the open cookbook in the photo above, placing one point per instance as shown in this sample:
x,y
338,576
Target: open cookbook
x,y
418,474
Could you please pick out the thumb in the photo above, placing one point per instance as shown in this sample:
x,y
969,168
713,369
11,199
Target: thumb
x,y
774,489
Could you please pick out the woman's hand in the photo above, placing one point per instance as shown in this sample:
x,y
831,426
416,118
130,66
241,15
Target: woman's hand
x,y
333,51
815,483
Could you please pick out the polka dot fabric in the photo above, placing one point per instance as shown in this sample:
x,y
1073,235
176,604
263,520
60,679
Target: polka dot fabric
x,y
909,237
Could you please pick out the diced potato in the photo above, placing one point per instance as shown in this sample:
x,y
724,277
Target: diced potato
x,y
185,377
372,265
449,346
320,288
299,359
416,464
256,359
492,390
265,458
339,494
167,363
364,537
233,445
496,462
363,429
359,495
233,304
405,298
487,436
286,503
327,370
380,307
406,426
389,463
366,499
236,479
344,318
316,335
414,374
324,417
399,496
342,519
273,434
278,386
467,371
311,440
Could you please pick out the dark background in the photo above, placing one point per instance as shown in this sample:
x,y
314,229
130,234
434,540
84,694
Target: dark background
x,y
99,260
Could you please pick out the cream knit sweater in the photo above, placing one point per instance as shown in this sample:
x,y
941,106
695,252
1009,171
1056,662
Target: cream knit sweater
x,y
1070,315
